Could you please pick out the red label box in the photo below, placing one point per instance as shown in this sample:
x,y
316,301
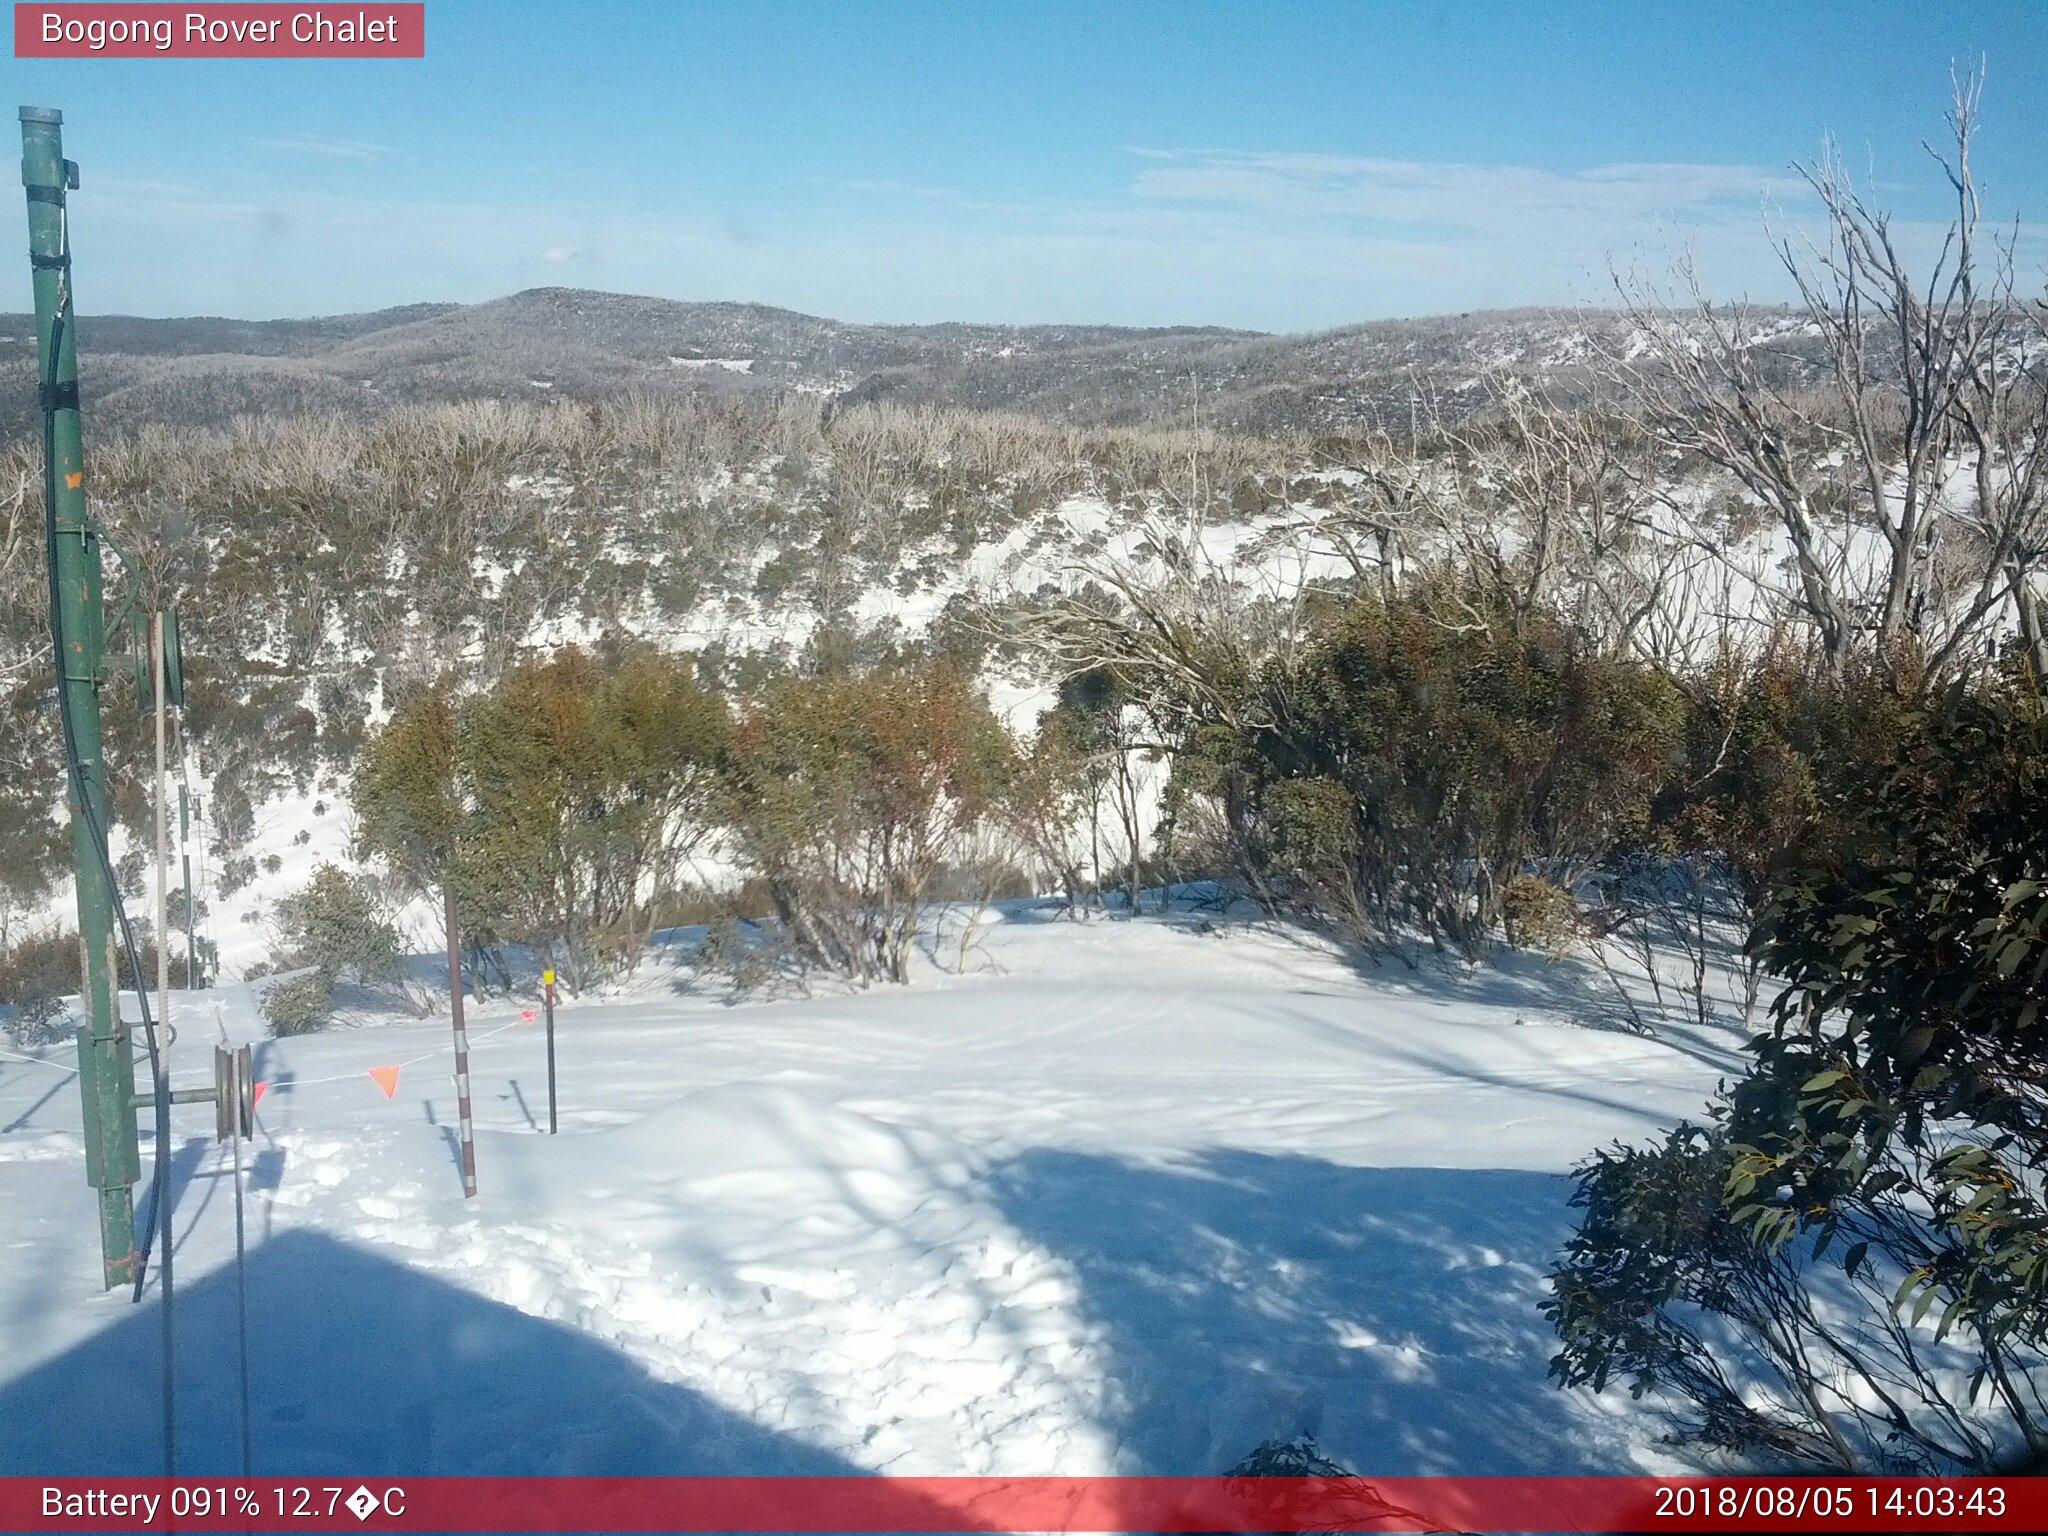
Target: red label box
x,y
836,1506
367,29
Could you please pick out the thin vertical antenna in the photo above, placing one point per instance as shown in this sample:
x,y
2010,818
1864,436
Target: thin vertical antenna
x,y
242,1071
163,1052
242,1308
212,932
185,860
199,842
160,666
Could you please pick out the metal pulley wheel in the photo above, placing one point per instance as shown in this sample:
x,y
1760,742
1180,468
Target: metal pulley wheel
x,y
234,1093
174,661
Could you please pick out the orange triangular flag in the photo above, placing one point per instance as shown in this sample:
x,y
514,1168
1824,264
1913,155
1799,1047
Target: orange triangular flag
x,y
387,1079
257,1097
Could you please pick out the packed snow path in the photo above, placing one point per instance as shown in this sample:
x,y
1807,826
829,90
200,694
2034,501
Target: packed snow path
x,y
1130,1196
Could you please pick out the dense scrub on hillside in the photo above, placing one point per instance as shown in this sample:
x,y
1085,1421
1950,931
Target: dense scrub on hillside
x,y
325,569
322,567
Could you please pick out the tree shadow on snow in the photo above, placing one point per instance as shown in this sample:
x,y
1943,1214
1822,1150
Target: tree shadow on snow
x,y
1570,989
360,1367
1391,1312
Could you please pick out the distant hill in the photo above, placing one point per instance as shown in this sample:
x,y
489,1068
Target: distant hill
x,y
585,345
1323,380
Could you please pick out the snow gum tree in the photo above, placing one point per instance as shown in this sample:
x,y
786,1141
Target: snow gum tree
x,y
850,794
585,786
1415,769
557,803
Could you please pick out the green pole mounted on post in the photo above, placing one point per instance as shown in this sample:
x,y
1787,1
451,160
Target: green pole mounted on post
x,y
106,1054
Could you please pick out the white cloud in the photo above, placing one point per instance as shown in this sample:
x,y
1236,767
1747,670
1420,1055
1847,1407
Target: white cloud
x,y
1262,241
1450,195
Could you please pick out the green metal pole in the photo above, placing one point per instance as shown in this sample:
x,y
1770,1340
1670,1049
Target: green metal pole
x,y
106,1056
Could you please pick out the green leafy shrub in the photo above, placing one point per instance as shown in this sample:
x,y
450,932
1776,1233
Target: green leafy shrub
x,y
36,973
35,977
1538,914
1417,765
585,785
850,794
298,1006
1864,1224
1779,765
336,926
555,804
746,956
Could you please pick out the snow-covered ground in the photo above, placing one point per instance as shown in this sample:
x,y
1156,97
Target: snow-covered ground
x,y
1130,1195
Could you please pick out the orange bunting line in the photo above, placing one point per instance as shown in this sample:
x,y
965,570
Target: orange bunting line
x,y
387,1079
257,1097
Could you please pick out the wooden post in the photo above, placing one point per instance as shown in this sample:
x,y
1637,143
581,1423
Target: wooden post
x,y
461,1041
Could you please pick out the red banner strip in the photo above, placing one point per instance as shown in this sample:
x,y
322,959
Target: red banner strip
x,y
1108,1504
371,30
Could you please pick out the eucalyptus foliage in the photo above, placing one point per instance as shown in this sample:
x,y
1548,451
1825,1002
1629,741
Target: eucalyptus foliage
x,y
1849,1267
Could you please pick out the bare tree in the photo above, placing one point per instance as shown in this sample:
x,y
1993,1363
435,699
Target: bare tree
x,y
21,539
1888,426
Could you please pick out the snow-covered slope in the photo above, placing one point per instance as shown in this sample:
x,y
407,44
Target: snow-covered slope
x,y
1130,1195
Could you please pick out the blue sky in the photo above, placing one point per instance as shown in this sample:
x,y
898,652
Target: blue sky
x,y
1273,164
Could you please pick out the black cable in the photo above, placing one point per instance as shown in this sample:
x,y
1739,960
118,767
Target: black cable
x,y
241,1274
159,1182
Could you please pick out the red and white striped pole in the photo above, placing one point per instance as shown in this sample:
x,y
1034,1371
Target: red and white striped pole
x,y
461,1042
